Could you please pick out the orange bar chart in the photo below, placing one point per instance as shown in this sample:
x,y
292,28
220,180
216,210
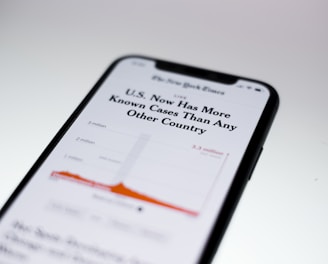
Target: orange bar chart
x,y
120,189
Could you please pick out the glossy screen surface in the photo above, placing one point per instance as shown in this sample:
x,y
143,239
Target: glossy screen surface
x,y
141,174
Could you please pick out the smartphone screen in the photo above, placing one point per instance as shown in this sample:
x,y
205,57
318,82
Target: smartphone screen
x,y
140,172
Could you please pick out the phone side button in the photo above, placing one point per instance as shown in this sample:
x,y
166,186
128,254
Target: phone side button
x,y
254,165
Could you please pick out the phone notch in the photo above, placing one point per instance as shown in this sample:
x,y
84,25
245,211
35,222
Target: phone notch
x,y
196,72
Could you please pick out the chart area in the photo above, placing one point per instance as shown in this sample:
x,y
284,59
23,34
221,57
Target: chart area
x,y
177,177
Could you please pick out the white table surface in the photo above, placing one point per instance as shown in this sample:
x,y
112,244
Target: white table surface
x,y
52,52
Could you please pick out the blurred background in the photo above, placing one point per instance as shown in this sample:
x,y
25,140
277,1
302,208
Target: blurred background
x,y
52,52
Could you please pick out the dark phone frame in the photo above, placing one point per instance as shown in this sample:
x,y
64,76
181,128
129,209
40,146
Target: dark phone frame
x,y
244,171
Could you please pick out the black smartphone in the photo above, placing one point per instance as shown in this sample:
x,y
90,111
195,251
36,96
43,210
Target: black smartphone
x,y
148,169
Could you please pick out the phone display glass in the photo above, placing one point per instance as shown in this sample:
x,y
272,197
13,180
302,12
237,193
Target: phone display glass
x,y
139,174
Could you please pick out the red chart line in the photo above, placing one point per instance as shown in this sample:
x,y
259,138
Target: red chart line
x,y
121,189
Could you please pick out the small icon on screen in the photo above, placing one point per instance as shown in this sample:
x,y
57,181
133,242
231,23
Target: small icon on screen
x,y
138,63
